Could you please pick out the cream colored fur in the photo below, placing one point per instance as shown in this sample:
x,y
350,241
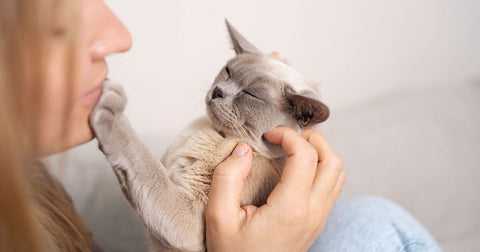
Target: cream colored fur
x,y
193,156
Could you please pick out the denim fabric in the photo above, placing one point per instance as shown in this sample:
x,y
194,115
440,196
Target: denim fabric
x,y
372,224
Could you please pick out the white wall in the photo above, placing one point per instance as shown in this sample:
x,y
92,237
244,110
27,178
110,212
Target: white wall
x,y
358,50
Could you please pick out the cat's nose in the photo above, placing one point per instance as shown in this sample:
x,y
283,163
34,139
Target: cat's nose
x,y
217,93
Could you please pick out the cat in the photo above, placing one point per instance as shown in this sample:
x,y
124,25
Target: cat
x,y
253,93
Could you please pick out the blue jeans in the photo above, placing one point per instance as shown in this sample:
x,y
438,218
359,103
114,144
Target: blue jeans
x,y
372,224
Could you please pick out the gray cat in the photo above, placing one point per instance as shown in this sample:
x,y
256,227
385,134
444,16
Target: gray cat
x,y
252,94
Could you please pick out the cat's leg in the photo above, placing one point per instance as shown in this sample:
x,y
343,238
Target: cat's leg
x,y
169,214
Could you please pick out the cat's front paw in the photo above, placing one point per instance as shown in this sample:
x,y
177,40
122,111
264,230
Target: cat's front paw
x,y
108,109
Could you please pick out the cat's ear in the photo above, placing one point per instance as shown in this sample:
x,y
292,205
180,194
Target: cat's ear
x,y
307,111
240,44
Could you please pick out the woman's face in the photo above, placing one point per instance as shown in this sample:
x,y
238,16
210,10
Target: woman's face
x,y
100,34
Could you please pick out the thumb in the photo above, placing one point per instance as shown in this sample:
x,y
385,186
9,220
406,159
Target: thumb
x,y
227,183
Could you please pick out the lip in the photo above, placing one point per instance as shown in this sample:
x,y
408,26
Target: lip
x,y
92,96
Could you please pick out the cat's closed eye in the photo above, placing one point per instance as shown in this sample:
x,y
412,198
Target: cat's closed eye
x,y
250,93
227,70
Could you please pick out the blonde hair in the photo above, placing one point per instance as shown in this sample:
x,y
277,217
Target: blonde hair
x,y
34,215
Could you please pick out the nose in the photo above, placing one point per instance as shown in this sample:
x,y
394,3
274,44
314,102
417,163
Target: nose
x,y
108,34
217,93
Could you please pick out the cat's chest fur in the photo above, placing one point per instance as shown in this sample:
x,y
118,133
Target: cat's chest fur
x,y
192,157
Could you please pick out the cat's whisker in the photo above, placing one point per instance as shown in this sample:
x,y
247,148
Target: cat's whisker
x,y
248,133
244,131
240,132
248,129
230,118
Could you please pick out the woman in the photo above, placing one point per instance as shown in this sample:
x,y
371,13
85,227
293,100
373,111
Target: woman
x,y
52,64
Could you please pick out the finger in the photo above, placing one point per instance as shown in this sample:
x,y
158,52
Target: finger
x,y
327,208
334,196
318,141
227,183
331,202
247,212
330,166
299,170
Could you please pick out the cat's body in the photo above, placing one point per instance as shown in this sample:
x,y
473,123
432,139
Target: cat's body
x,y
251,95
193,156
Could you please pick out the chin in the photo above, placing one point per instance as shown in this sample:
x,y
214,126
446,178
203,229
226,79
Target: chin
x,y
79,130
77,135
64,144
81,136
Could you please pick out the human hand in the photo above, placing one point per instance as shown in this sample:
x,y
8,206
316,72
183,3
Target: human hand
x,y
296,210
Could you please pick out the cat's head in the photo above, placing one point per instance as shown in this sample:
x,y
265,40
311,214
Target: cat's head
x,y
255,92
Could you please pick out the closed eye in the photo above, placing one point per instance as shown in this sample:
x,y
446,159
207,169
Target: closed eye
x,y
59,32
254,96
228,71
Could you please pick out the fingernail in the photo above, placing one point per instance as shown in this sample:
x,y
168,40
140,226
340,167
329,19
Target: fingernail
x,y
240,150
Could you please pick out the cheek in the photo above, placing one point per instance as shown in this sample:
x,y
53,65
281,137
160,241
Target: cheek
x,y
63,83
63,121
258,115
54,107
59,132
